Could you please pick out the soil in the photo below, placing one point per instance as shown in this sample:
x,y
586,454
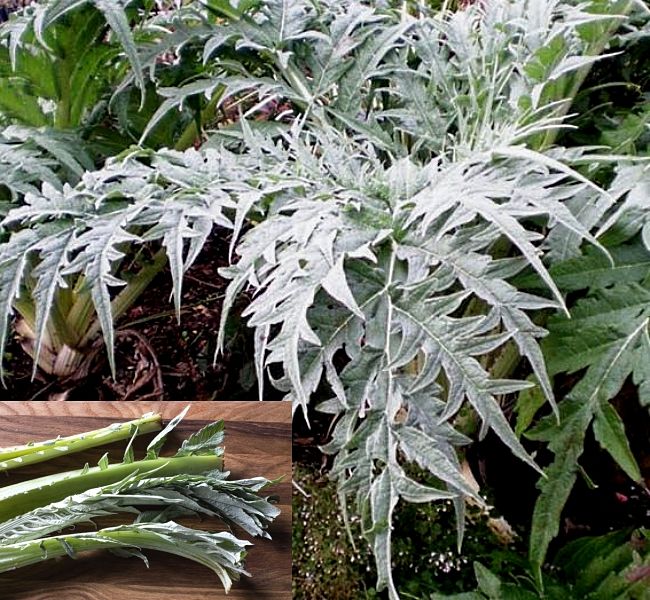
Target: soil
x,y
157,357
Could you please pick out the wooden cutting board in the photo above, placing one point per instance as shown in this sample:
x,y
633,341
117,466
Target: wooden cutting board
x,y
258,443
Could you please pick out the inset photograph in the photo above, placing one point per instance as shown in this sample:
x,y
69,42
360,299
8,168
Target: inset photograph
x,y
134,501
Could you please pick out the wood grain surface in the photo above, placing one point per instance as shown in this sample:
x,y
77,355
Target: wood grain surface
x,y
258,442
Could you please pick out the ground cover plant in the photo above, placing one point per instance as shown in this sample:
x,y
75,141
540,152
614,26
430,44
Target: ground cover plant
x,y
426,564
438,222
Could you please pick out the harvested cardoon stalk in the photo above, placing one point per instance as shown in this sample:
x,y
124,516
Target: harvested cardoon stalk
x,y
221,552
28,495
36,452
234,502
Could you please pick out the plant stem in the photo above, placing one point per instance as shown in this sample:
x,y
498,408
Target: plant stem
x,y
28,495
63,75
506,362
131,292
207,114
81,312
36,452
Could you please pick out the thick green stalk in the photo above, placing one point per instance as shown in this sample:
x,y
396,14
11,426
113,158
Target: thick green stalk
x,y
57,332
130,293
36,452
207,114
28,495
81,313
297,80
63,76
